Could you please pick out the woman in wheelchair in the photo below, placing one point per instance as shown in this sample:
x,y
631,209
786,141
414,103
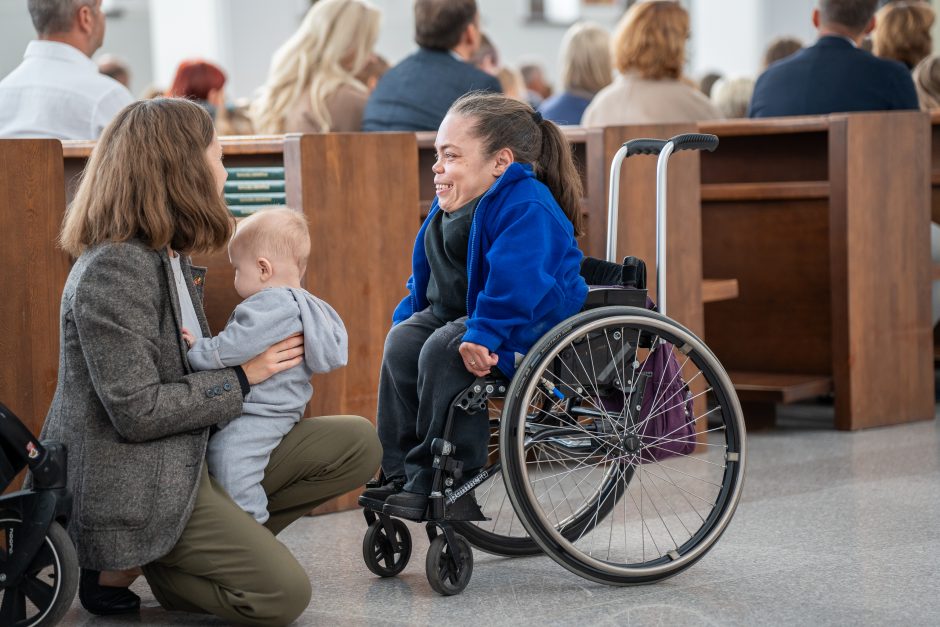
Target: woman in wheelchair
x,y
495,265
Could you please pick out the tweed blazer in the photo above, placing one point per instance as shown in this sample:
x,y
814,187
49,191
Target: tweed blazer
x,y
134,416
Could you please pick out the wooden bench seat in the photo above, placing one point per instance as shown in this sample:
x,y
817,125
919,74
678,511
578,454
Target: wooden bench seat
x,y
714,290
759,393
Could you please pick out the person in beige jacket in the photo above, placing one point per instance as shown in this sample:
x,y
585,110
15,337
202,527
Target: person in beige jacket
x,y
312,85
649,52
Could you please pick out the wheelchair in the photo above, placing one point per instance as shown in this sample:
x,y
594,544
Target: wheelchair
x,y
576,468
38,564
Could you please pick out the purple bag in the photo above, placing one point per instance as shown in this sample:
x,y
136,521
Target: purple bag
x,y
667,428
665,421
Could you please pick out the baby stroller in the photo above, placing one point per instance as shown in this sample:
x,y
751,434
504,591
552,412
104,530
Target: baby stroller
x,y
38,564
618,448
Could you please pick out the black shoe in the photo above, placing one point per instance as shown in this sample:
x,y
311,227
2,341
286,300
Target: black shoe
x,y
374,495
410,505
105,600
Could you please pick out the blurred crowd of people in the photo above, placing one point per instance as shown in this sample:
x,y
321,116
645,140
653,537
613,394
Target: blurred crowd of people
x,y
328,77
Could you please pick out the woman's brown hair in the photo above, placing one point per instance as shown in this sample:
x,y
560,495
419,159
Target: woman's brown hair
x,y
902,32
650,39
148,178
502,122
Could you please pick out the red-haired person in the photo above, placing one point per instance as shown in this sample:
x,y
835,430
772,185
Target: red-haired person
x,y
204,83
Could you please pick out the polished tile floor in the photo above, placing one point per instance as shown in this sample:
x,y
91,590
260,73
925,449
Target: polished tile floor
x,y
834,528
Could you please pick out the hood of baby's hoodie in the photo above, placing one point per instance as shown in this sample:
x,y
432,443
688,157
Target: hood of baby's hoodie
x,y
326,345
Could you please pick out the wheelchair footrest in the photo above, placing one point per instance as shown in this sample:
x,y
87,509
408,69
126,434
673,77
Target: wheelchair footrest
x,y
464,509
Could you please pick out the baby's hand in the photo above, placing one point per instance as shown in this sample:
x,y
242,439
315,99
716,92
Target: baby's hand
x,y
188,338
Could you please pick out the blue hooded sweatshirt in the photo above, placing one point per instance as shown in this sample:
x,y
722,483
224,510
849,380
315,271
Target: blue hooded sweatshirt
x,y
523,267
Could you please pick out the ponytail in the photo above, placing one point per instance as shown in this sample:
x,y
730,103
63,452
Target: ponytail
x,y
555,167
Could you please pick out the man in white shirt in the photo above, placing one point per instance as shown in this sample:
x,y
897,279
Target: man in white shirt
x,y
57,91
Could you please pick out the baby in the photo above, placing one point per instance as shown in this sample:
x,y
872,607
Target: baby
x,y
269,252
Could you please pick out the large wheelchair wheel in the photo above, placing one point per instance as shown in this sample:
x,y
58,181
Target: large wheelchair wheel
x,y
47,588
504,534
653,511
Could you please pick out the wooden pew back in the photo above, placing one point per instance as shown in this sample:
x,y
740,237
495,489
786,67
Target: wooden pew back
x,y
824,223
34,273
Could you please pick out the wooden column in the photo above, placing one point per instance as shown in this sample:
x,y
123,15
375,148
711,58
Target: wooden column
x,y
32,200
879,216
359,193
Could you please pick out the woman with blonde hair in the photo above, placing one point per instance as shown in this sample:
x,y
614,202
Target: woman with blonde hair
x,y
927,82
902,32
733,95
649,52
135,416
312,85
585,70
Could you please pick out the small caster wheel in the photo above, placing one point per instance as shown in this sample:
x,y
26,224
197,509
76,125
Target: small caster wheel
x,y
384,556
444,574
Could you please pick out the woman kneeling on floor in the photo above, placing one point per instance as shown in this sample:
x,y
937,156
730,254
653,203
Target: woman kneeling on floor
x,y
136,418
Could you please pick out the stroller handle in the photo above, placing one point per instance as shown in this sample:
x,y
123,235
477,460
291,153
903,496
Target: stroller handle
x,y
664,148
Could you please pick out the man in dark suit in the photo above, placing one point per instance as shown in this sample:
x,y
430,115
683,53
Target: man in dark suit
x,y
416,94
834,75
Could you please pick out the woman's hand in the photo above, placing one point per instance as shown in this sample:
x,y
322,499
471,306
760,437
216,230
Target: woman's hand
x,y
278,358
477,359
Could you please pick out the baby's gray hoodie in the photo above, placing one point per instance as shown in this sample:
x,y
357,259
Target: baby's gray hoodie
x,y
239,452
265,319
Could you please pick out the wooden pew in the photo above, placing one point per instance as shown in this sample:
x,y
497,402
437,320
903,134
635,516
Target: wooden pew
x,y
823,221
34,273
360,205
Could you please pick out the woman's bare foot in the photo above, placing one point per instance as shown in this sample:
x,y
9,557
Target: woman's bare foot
x,y
119,578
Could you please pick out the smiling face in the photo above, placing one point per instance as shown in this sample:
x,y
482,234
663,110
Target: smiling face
x,y
462,172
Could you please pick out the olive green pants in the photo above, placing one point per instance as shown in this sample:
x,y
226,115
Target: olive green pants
x,y
226,564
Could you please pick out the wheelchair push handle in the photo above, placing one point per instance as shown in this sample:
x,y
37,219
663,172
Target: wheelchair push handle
x,y
686,141
663,148
644,146
695,141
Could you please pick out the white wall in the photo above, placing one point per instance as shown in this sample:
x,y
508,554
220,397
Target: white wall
x,y
238,35
736,32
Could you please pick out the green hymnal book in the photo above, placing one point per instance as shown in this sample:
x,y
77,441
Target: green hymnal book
x,y
259,173
234,187
276,198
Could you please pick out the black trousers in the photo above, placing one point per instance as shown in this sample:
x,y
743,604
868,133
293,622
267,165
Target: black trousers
x,y
422,372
